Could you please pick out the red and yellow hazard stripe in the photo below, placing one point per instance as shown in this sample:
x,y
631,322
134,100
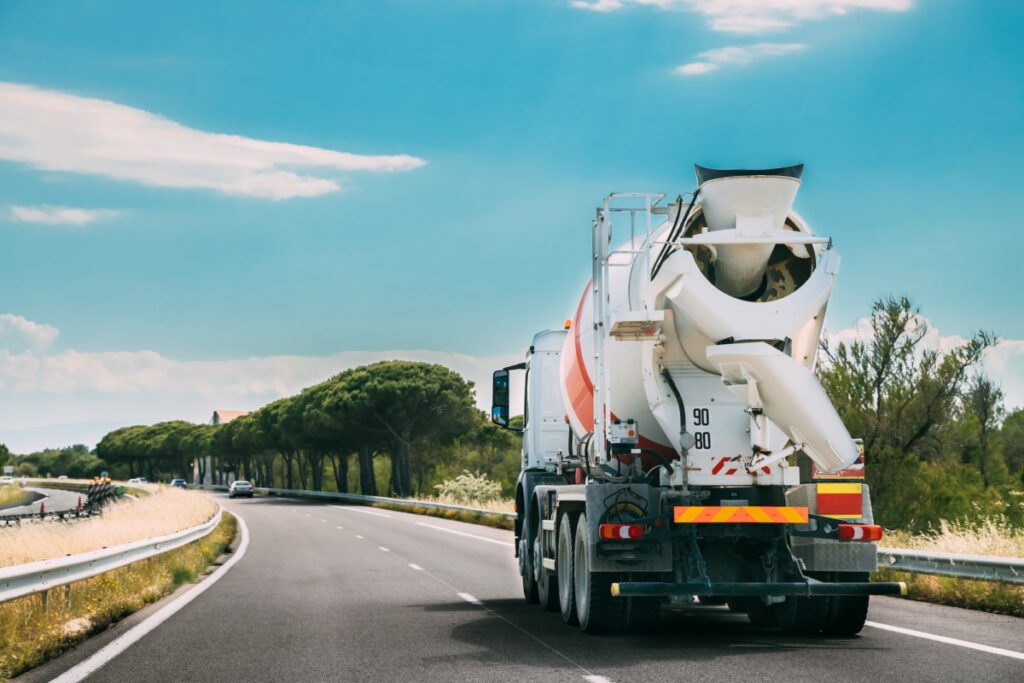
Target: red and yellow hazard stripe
x,y
739,514
841,501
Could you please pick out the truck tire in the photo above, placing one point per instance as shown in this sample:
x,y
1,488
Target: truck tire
x,y
757,612
846,613
597,610
547,588
802,615
526,572
640,614
563,560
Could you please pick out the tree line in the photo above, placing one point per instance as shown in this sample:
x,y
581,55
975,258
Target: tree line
x,y
938,441
419,419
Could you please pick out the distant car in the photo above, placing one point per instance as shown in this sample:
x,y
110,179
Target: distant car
x,y
240,488
6,480
137,480
63,476
179,483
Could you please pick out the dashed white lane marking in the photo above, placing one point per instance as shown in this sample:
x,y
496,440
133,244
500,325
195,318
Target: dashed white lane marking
x,y
308,515
948,641
415,567
383,549
358,536
106,653
471,600
351,508
323,520
463,533
342,528
596,679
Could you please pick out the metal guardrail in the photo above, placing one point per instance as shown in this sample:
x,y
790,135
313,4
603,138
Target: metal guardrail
x,y
985,567
357,498
39,577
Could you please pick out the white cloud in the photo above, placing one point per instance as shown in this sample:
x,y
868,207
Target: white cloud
x,y
752,16
59,215
16,330
56,131
736,55
49,399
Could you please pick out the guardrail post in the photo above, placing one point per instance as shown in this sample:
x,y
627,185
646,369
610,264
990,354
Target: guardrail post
x,y
46,601
67,596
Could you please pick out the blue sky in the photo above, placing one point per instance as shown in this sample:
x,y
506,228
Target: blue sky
x,y
141,254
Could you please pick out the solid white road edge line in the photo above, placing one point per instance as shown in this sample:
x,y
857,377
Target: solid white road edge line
x,y
106,653
351,508
948,641
463,533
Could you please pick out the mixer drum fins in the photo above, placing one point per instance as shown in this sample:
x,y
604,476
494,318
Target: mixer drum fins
x,y
705,174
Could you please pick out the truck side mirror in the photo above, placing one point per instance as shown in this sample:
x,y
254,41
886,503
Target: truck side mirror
x,y
499,398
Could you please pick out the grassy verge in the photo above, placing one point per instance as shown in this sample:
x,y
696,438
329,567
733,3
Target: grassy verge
x,y
986,596
485,518
12,494
166,511
995,536
31,633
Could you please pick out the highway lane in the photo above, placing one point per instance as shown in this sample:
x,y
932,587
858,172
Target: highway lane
x,y
55,500
360,594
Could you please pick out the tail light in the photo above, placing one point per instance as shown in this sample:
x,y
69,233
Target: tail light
x,y
621,532
860,532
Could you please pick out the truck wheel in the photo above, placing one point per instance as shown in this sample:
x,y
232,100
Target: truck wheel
x,y
639,614
547,589
758,613
597,610
526,572
566,595
846,613
802,615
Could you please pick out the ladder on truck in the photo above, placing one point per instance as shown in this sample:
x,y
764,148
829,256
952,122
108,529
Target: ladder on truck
x,y
630,325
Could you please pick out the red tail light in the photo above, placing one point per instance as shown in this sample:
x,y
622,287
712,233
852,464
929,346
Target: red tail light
x,y
860,532
621,532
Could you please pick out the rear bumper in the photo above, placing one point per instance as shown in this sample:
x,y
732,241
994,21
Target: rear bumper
x,y
809,588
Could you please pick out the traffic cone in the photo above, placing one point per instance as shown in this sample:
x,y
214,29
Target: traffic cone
x,y
78,508
42,508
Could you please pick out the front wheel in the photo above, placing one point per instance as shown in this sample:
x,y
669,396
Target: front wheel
x,y
547,590
597,610
526,571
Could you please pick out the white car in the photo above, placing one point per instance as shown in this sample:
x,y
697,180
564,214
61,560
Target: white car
x,y
137,480
6,480
240,488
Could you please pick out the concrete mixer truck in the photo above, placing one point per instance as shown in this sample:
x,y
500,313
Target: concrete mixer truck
x,y
677,446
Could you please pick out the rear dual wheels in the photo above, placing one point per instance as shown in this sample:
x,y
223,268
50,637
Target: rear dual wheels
x,y
836,615
564,562
596,609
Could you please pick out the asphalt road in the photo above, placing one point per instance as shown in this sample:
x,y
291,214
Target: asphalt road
x,y
325,593
56,500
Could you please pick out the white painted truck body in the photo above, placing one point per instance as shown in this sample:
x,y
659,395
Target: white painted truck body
x,y
663,425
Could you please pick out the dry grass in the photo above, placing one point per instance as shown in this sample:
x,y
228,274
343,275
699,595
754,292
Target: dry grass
x,y
166,511
993,536
31,633
11,493
500,505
